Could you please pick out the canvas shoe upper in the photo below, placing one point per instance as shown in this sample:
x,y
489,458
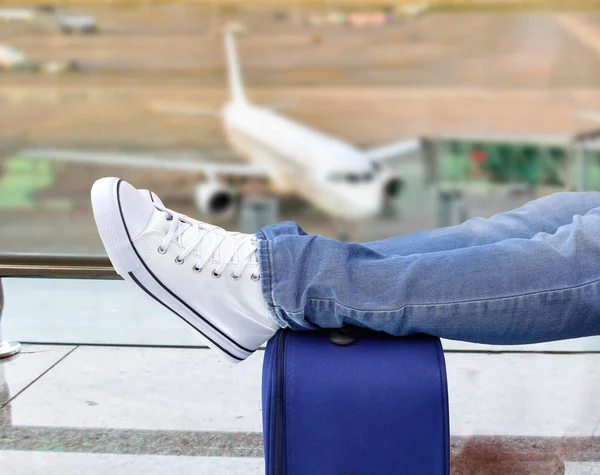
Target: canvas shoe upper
x,y
151,196
207,276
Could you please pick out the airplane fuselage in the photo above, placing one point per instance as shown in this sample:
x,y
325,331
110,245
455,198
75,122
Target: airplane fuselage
x,y
329,173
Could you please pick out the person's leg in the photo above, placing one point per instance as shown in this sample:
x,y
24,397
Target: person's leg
x,y
517,290
237,289
545,214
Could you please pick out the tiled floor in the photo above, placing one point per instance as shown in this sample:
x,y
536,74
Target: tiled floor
x,y
582,468
160,410
191,389
550,395
145,388
49,463
30,364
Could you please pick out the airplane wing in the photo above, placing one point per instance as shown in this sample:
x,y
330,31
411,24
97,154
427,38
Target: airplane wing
x,y
146,161
394,151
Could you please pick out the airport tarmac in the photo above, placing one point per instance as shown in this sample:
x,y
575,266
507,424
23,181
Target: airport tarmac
x,y
479,72
533,50
444,72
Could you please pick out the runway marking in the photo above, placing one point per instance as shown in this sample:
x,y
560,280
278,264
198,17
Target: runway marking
x,y
586,34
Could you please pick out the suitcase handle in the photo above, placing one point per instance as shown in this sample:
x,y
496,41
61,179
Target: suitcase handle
x,y
344,336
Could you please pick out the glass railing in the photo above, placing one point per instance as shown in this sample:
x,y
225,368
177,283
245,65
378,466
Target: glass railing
x,y
79,299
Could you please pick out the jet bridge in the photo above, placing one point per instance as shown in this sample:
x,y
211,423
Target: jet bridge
x,y
585,152
510,164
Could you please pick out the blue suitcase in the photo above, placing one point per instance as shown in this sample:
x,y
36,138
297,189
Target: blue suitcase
x,y
360,403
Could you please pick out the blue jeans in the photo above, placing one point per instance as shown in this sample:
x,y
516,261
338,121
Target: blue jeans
x,y
525,276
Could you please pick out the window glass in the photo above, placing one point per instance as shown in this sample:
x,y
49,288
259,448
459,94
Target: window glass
x,y
108,89
503,96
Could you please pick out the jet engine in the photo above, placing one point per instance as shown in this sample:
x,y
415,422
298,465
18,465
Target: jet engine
x,y
214,199
392,187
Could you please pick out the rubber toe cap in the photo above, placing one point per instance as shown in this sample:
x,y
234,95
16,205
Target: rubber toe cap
x,y
135,208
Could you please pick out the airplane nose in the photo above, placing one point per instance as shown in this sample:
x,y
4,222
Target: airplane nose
x,y
358,202
366,206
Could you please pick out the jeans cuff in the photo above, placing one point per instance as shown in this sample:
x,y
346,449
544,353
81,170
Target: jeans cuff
x,y
266,273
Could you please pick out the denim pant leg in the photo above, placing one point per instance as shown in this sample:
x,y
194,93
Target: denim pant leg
x,y
545,214
512,291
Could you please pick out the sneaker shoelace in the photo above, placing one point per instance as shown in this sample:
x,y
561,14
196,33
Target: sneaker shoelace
x,y
181,224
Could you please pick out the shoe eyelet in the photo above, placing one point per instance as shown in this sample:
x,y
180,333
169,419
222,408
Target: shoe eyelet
x,y
215,274
169,217
235,277
161,250
197,270
255,278
179,260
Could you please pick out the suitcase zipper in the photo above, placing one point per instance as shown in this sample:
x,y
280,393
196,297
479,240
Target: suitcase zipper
x,y
279,399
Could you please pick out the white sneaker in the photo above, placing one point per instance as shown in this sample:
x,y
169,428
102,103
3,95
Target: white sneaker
x,y
205,275
151,196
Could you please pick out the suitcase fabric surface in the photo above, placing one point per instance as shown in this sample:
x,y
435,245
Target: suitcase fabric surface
x,y
377,406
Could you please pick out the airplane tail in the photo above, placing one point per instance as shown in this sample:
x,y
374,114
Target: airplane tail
x,y
236,83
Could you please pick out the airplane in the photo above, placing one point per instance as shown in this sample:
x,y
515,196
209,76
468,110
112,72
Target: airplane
x,y
84,24
413,11
16,14
340,179
12,59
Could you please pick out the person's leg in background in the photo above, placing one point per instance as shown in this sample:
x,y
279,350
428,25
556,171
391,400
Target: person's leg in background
x,y
545,214
476,282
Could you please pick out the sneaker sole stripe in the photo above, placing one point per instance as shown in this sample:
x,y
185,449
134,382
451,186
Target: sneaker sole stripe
x,y
218,330
141,286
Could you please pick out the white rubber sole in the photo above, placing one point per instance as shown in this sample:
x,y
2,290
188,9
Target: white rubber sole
x,y
129,265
